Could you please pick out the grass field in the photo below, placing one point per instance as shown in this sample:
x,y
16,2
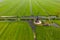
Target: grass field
x,y
15,31
22,30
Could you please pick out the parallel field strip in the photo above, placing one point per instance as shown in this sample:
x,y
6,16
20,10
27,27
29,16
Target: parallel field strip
x,y
14,31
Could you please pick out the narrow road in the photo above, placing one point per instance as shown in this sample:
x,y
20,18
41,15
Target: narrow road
x,y
33,28
55,25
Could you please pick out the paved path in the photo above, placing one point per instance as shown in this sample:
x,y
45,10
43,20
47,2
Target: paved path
x,y
55,25
33,28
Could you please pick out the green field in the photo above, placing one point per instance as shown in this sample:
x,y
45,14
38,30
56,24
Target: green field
x,y
22,30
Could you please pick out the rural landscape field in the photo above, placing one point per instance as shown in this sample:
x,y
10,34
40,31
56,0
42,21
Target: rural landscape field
x,y
22,30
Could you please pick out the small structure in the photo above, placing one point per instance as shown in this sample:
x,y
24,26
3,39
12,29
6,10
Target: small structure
x,y
37,22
